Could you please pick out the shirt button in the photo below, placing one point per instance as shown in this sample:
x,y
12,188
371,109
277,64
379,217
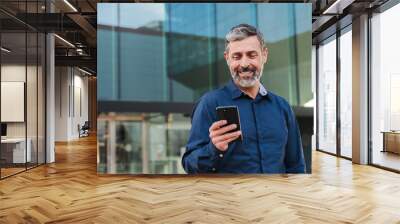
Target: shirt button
x,y
213,169
221,155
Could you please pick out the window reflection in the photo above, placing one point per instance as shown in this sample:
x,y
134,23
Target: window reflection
x,y
385,85
142,143
181,56
327,95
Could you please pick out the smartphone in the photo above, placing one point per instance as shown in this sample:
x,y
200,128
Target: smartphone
x,y
231,115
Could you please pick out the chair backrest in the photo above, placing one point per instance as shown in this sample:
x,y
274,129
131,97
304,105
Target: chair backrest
x,y
86,124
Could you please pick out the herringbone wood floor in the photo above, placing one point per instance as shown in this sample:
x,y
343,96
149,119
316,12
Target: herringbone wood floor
x,y
70,191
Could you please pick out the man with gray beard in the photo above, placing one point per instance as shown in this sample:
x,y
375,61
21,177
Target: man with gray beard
x,y
270,138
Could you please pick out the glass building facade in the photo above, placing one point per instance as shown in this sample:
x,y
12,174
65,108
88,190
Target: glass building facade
x,y
166,56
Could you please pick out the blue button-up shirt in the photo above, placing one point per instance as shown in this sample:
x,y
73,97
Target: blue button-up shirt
x,y
271,138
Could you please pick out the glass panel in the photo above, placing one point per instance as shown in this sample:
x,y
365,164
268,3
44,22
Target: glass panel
x,y
190,51
41,99
102,144
327,96
142,143
107,24
302,16
23,81
166,47
13,86
167,136
129,153
385,89
346,94
31,86
288,70
31,100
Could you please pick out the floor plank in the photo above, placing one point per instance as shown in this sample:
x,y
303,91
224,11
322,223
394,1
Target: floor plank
x,y
70,191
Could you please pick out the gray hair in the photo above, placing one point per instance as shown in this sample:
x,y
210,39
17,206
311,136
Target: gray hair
x,y
241,32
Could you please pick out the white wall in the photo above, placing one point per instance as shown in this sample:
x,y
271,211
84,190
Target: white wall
x,y
71,87
61,103
33,126
12,73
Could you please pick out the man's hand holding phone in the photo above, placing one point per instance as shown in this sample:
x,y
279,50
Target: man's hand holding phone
x,y
221,136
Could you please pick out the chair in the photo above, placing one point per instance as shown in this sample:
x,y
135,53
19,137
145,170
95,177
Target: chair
x,y
84,130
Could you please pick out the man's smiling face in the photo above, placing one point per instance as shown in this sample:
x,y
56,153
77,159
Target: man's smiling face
x,y
246,59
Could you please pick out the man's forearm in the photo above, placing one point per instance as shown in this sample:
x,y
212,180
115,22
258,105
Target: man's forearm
x,y
201,160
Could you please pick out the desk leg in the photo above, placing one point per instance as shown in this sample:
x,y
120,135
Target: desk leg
x,y
384,143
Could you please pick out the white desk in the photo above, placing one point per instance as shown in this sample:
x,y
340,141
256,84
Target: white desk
x,y
19,149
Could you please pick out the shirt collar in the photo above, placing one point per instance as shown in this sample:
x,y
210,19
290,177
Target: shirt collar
x,y
236,92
